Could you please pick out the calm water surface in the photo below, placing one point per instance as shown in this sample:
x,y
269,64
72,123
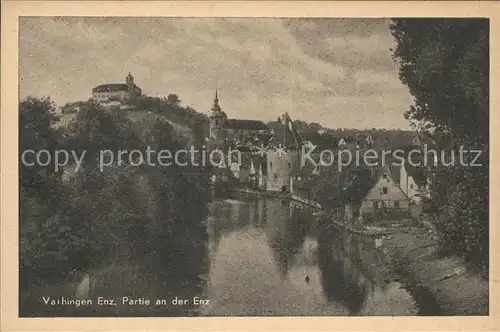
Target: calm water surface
x,y
261,252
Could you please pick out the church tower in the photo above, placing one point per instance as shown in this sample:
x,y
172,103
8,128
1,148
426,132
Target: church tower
x,y
217,118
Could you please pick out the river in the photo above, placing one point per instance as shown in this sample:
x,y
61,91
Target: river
x,y
265,257
271,257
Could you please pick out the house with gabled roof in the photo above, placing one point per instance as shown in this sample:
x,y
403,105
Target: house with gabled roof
x,y
372,196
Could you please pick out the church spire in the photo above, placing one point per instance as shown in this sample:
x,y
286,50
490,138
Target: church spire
x,y
216,107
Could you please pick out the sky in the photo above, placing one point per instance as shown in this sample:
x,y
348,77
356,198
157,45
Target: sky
x,y
338,72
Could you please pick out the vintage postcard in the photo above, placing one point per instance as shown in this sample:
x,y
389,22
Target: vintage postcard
x,y
217,160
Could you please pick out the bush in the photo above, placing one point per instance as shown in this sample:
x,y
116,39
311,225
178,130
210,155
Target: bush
x,y
463,226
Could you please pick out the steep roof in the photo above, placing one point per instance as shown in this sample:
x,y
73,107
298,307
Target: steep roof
x,y
285,134
111,87
244,124
395,173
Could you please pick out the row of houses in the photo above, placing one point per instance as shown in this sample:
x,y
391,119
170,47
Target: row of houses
x,y
384,194
275,168
269,173
366,194
361,195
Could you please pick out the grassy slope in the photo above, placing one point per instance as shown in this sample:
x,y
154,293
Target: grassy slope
x,y
135,116
457,290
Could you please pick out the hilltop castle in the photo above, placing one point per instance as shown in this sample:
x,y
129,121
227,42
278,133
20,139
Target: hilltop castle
x,y
119,91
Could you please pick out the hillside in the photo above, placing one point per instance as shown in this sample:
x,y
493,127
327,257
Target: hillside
x,y
138,114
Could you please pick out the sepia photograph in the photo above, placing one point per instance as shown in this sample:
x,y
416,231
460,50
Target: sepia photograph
x,y
253,166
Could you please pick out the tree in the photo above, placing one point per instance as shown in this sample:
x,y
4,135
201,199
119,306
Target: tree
x,y
445,64
45,236
95,129
35,119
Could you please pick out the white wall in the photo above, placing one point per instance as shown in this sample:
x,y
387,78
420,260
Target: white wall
x,y
403,179
409,187
279,169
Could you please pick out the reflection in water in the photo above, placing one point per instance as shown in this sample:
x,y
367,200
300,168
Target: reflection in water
x,y
269,257
339,280
285,234
265,257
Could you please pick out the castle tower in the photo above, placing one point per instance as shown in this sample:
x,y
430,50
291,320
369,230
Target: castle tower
x,y
129,80
217,118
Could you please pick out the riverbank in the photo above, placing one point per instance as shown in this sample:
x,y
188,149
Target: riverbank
x,y
456,289
279,195
363,231
443,285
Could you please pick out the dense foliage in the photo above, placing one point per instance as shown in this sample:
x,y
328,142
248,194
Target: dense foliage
x,y
171,109
78,220
445,64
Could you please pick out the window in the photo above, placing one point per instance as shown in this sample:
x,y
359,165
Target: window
x,y
396,204
383,190
271,165
375,204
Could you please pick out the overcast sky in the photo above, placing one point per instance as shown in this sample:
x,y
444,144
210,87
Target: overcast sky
x,y
337,72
